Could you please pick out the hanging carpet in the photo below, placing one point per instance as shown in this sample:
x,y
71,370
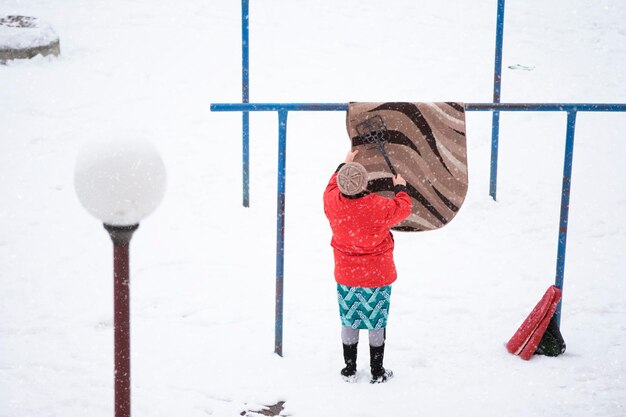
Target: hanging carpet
x,y
426,144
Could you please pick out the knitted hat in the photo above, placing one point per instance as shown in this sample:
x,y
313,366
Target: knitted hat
x,y
352,178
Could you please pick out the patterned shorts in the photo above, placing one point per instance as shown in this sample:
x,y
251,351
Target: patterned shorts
x,y
363,308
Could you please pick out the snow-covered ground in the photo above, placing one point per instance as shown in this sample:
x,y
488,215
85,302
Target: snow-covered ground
x,y
203,267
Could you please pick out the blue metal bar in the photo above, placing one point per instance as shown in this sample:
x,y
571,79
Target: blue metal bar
x,y
280,230
608,107
245,53
493,165
245,157
279,106
245,98
495,121
594,107
565,193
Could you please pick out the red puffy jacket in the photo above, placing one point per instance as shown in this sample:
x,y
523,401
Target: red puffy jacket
x,y
362,242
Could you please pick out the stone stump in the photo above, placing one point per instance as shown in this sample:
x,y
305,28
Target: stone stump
x,y
24,37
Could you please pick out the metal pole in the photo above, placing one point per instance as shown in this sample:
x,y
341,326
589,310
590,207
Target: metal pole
x,y
565,107
245,98
495,122
121,235
280,230
565,193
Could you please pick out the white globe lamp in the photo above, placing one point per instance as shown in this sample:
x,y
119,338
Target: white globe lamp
x,y
120,182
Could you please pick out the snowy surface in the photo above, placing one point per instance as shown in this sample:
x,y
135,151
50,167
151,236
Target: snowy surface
x,y
203,267
25,32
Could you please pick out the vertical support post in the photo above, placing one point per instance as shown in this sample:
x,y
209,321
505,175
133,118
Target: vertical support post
x,y
565,193
121,326
245,98
280,230
121,235
495,122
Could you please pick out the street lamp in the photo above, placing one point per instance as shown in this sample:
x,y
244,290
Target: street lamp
x,y
120,183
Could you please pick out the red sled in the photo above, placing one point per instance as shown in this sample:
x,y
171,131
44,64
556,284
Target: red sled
x,y
526,340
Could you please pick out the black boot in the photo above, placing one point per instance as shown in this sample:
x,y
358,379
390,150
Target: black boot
x,y
349,356
379,373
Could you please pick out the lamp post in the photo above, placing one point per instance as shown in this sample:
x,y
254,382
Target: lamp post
x,y
120,183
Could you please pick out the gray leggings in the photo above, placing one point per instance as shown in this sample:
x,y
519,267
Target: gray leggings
x,y
350,336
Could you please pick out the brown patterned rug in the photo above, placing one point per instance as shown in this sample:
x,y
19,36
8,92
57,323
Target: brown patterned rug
x,y
425,143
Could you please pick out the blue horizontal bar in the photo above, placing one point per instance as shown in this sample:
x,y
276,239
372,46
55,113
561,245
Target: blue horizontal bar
x,y
616,107
279,106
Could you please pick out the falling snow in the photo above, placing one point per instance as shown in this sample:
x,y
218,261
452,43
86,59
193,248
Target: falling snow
x,y
203,266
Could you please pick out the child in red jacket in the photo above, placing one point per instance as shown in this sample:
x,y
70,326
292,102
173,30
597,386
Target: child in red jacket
x,y
363,250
